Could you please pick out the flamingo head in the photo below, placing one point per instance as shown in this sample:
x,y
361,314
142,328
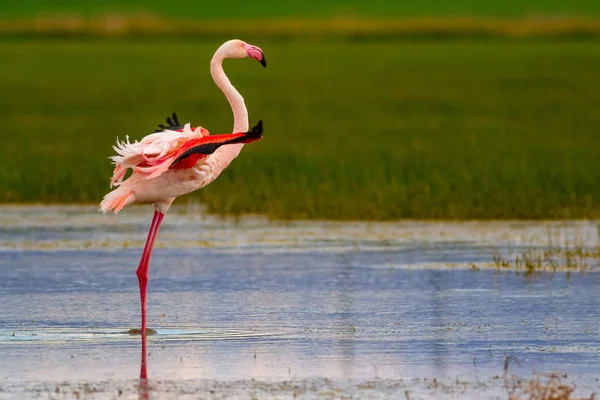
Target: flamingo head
x,y
240,49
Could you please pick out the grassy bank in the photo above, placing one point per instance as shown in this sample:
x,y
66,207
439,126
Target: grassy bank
x,y
300,19
304,8
143,25
456,129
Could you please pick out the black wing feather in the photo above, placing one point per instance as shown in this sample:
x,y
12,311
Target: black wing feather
x,y
209,148
174,124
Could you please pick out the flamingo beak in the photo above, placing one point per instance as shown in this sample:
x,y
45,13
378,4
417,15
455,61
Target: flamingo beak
x,y
256,53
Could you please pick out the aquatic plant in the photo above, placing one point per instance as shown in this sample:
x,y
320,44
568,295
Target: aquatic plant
x,y
559,253
538,259
542,386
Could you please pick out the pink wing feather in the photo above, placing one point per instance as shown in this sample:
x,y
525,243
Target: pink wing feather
x,y
153,155
173,147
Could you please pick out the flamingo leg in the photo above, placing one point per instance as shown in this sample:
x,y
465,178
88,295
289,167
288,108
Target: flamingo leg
x,y
142,274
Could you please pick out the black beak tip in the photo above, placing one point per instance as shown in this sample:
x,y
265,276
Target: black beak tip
x,y
263,61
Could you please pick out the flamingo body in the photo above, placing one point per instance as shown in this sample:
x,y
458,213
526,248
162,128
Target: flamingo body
x,y
168,164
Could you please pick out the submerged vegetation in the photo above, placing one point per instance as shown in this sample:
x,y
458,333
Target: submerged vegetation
x,y
533,259
540,386
548,386
566,254
353,130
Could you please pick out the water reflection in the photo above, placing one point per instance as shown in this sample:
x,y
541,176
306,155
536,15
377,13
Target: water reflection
x,y
143,388
344,311
439,319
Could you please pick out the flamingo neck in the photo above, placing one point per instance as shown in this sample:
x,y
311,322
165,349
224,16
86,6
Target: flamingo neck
x,y
236,101
225,154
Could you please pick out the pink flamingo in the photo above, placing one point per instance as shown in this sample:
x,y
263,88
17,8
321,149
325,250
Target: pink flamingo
x,y
176,160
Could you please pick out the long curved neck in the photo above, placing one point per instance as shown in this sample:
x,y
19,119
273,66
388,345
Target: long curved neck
x,y
236,101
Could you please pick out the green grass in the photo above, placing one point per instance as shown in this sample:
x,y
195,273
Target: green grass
x,y
151,26
306,8
373,130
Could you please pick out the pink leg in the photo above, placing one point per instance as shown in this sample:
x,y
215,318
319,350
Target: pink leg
x,y
142,274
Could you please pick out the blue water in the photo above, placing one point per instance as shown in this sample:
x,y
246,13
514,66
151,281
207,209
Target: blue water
x,y
291,314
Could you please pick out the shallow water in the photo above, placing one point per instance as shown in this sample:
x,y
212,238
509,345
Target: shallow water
x,y
263,309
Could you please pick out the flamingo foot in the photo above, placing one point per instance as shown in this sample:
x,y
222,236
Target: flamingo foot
x,y
136,331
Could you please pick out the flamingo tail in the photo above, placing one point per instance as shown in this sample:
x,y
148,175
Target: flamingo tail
x,y
116,200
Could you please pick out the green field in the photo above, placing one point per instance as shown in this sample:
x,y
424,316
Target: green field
x,y
376,19
372,130
307,8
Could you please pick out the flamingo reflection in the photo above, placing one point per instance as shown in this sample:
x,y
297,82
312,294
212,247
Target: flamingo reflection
x,y
143,388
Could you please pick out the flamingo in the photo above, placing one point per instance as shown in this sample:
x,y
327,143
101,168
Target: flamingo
x,y
176,160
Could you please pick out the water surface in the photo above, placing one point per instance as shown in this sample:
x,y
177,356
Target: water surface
x,y
316,309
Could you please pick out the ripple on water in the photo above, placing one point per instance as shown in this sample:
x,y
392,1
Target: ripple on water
x,y
61,335
45,228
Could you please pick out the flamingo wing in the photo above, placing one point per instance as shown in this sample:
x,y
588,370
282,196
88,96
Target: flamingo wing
x,y
173,147
196,149
145,155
